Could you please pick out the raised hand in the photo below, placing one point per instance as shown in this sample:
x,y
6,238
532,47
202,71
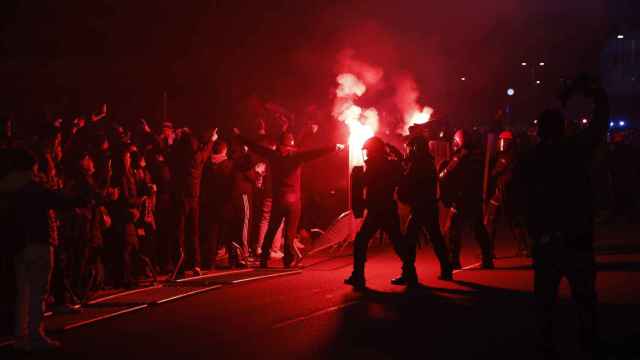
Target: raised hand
x,y
145,126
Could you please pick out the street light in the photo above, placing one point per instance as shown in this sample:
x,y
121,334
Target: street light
x,y
510,91
533,67
620,36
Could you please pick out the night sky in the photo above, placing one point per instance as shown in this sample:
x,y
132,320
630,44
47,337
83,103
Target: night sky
x,y
211,56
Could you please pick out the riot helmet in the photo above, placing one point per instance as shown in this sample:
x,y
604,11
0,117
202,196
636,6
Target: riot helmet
x,y
373,148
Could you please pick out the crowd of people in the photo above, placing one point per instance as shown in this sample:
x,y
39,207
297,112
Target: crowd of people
x,y
96,206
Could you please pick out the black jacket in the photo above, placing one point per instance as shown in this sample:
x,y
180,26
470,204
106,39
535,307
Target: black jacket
x,y
381,178
418,185
286,169
28,213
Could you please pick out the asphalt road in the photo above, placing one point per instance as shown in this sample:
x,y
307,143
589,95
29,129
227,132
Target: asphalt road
x,y
482,314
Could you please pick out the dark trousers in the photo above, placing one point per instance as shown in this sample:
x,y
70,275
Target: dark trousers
x,y
388,221
89,272
189,230
552,261
62,276
165,239
129,252
475,221
427,219
289,210
215,232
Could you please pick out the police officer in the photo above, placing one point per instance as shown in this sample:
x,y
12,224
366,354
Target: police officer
x,y
380,180
461,189
418,190
500,200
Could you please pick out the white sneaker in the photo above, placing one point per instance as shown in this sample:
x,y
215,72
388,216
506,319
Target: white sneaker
x,y
276,254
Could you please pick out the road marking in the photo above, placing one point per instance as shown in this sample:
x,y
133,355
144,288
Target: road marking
x,y
468,267
342,306
316,314
214,275
103,317
124,293
7,343
190,293
266,276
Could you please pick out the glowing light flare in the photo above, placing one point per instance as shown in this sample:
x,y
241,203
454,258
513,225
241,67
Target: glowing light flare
x,y
362,124
350,86
421,117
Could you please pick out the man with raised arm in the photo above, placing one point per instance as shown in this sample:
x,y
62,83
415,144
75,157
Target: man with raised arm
x,y
286,164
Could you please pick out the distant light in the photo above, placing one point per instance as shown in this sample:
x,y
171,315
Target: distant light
x,y
441,134
538,82
510,91
541,63
535,121
463,78
621,123
584,120
523,63
611,124
620,36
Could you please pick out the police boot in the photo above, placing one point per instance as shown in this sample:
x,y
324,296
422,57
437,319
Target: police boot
x,y
408,277
487,263
408,280
446,274
357,276
356,280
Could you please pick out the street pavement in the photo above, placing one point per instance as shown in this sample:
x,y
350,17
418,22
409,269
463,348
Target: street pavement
x,y
258,314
